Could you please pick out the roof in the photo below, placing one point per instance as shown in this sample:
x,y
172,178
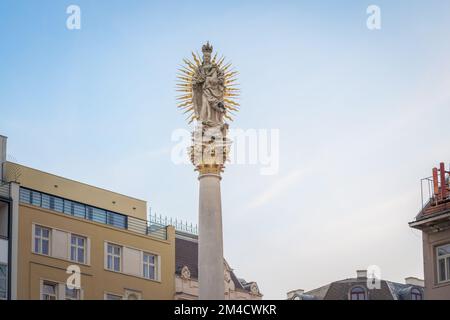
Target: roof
x,y
186,254
339,290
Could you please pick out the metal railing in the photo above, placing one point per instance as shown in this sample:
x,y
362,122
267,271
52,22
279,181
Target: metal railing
x,y
178,224
148,228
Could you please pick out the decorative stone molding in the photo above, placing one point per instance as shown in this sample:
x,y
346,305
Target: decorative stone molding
x,y
185,273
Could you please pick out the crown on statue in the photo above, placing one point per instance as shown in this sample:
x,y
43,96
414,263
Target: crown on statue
x,y
207,48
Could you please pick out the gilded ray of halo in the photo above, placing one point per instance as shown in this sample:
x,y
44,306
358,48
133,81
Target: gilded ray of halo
x,y
219,64
214,59
184,79
232,95
186,72
231,83
196,59
188,110
184,104
184,85
231,108
231,102
227,66
189,64
184,97
230,74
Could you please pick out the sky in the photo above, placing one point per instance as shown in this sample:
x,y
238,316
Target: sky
x,y
361,116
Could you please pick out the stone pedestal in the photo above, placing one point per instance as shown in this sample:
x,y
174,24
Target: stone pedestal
x,y
210,255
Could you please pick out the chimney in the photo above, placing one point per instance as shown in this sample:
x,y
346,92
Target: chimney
x,y
3,140
292,293
361,274
443,182
435,183
413,281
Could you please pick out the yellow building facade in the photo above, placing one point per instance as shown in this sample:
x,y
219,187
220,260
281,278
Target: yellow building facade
x,y
70,240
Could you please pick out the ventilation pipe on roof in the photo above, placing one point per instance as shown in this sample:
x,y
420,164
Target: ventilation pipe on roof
x,y
3,140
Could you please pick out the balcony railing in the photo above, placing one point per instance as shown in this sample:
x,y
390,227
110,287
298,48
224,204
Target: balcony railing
x,y
435,190
179,225
80,210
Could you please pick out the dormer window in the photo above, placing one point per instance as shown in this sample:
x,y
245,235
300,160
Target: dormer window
x,y
416,294
358,293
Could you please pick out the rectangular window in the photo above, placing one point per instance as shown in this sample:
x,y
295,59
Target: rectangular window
x,y
68,207
114,257
45,201
49,291
25,196
149,266
110,296
78,248
117,220
3,281
42,240
79,210
57,204
36,198
96,215
443,263
72,294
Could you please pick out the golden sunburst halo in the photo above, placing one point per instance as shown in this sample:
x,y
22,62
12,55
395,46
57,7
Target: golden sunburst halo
x,y
185,76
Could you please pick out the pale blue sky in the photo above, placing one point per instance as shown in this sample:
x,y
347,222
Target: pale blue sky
x,y
362,117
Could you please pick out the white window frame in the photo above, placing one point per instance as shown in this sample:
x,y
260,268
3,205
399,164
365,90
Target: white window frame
x,y
147,265
446,259
77,290
52,283
40,238
76,246
113,255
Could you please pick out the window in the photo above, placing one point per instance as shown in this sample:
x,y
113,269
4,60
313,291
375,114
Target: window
x,y
149,264
36,198
358,293
114,257
117,220
416,294
49,291
110,296
78,248
72,294
96,215
443,263
41,240
3,281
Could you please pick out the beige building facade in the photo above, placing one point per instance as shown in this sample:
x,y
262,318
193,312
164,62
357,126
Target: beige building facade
x,y
69,240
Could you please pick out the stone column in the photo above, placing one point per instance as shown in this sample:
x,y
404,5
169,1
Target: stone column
x,y
210,247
